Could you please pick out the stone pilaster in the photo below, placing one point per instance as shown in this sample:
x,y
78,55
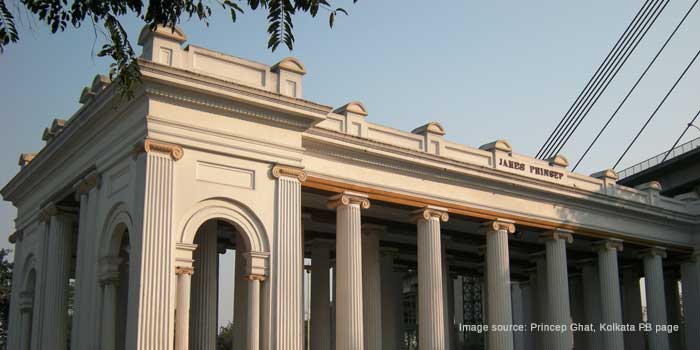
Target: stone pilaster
x,y
182,308
153,253
516,296
632,307
288,261
371,286
253,326
656,298
611,308
591,302
109,280
558,310
60,244
431,318
320,295
690,279
203,309
389,307
499,311
349,334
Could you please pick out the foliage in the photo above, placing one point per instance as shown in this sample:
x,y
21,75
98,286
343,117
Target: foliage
x,y
59,15
5,292
224,340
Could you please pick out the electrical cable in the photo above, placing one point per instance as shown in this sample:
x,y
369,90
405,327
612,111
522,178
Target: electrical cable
x,y
680,137
624,100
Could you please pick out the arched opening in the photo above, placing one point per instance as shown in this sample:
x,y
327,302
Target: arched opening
x,y
27,307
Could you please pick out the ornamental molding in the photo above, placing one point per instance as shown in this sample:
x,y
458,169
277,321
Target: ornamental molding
x,y
429,212
254,277
349,198
500,225
560,233
149,145
288,171
182,270
608,244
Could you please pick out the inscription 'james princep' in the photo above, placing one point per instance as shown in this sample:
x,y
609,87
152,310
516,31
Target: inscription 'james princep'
x,y
535,170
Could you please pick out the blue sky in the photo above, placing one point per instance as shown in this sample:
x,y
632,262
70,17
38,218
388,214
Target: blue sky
x,y
485,70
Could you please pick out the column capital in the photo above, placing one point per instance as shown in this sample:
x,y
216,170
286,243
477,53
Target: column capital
x,y
279,170
558,233
653,251
184,270
608,244
149,145
500,225
257,263
84,185
373,229
253,277
348,198
47,212
430,211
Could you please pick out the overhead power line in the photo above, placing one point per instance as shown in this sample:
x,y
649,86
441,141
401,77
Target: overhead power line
x,y
680,137
605,72
657,108
635,85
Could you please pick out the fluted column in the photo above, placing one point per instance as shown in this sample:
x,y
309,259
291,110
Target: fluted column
x,y
349,330
673,306
609,277
690,279
371,286
499,310
320,295
253,325
656,298
288,261
60,243
431,318
26,305
558,310
204,306
182,308
591,302
152,256
109,281
517,304
389,301
632,307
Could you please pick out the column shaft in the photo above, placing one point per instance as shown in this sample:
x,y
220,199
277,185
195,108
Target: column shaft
x,y
499,311
611,308
204,307
371,285
182,309
558,290
431,328
656,300
253,329
632,313
690,279
59,264
109,315
320,296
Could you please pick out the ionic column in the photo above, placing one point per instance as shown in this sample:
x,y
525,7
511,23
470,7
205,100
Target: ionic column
x,y
109,281
656,298
288,261
320,295
431,318
182,308
203,310
558,309
690,279
591,302
517,301
371,286
389,301
253,326
499,310
673,306
609,277
349,305
60,243
632,307
155,161
26,304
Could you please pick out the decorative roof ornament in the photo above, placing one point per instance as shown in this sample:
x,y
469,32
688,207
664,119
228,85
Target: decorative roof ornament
x,y
498,145
291,64
353,107
431,127
175,34
559,160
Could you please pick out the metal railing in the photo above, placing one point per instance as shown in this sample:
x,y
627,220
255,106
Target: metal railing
x,y
684,148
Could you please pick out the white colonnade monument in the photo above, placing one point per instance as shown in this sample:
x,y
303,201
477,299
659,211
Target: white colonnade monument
x,y
410,240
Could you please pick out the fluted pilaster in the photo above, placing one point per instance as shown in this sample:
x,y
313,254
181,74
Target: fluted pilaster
x,y
558,310
349,306
656,298
431,318
371,286
389,307
182,308
499,309
591,302
60,244
690,279
203,308
320,295
611,308
632,308
288,261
